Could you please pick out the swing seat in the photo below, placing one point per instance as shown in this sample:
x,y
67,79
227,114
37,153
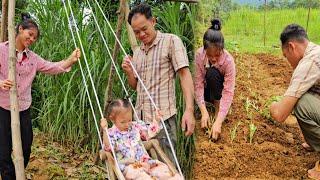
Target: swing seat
x,y
154,150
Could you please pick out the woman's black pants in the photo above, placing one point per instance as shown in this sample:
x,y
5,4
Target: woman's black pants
x,y
6,165
214,85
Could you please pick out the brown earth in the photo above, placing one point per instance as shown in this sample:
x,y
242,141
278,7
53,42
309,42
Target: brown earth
x,y
276,151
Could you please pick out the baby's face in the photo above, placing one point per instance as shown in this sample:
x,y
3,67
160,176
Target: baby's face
x,y
123,119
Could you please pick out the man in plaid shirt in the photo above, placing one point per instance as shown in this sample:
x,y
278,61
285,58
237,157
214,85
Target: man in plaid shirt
x,y
158,60
303,95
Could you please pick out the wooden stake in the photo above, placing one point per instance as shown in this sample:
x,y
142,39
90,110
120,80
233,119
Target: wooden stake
x,y
4,21
264,23
308,18
15,119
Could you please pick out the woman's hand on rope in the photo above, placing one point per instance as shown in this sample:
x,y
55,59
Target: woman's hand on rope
x,y
6,84
73,58
188,122
75,55
126,66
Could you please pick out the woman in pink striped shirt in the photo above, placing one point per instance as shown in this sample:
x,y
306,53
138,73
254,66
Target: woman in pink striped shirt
x,y
27,65
214,77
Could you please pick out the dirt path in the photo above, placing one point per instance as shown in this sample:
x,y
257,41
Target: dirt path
x,y
276,150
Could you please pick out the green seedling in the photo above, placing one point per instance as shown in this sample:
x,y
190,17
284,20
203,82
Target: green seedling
x,y
233,132
250,103
265,111
210,123
252,129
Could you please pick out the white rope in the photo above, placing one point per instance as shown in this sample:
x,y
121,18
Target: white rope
x,y
144,87
84,81
113,61
85,58
102,145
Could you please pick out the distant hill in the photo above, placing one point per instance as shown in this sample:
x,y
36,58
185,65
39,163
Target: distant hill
x,y
249,2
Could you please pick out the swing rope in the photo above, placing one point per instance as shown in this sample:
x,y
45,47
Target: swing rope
x,y
144,87
84,80
113,62
86,87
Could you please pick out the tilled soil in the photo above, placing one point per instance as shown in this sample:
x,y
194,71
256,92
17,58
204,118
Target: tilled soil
x,y
275,151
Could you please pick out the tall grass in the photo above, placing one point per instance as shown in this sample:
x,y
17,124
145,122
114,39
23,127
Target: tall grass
x,y
179,19
244,28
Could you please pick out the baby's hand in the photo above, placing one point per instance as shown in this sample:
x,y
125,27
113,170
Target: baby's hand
x,y
103,123
106,146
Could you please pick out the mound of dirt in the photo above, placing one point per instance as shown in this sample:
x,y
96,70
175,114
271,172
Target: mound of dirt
x,y
276,151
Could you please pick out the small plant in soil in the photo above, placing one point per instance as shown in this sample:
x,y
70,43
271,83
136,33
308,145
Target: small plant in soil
x,y
265,111
233,132
250,103
210,123
249,106
252,130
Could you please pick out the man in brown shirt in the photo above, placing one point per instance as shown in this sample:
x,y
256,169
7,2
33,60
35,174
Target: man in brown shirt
x,y
159,59
303,95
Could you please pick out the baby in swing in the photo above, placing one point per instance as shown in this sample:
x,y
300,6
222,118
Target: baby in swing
x,y
126,137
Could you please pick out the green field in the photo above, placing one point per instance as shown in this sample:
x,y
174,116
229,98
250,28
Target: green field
x,y
244,29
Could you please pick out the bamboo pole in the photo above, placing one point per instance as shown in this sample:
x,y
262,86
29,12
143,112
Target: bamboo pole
x,y
15,119
308,18
4,21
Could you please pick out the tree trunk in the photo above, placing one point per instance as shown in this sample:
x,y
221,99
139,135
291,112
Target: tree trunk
x,y
15,119
121,18
4,21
